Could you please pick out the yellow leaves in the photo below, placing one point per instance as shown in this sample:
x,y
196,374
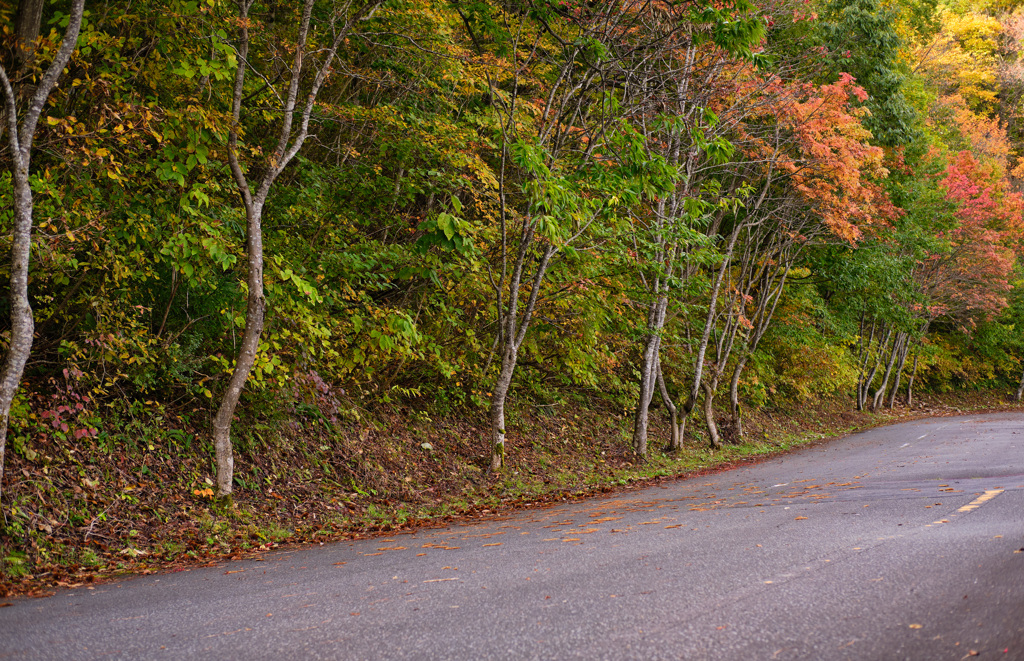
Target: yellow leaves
x,y
961,59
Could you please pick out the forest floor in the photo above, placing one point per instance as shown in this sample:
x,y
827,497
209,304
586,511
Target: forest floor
x,y
141,501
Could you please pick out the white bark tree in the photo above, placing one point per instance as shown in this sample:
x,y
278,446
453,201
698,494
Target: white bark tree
x,y
20,129
295,109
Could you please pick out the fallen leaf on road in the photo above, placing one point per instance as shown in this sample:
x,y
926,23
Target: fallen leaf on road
x,y
677,525
438,580
916,626
494,544
800,518
339,563
234,571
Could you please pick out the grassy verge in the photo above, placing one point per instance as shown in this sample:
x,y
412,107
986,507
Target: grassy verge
x,y
137,497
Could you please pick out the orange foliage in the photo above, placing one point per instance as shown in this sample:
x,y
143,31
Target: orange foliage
x,y
834,168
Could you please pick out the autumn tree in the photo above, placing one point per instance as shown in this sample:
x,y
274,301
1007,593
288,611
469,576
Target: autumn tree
x,y
702,54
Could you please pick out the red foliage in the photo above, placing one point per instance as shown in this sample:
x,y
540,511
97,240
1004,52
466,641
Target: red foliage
x,y
836,168
971,279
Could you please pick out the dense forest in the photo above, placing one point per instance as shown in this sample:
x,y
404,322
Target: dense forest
x,y
237,221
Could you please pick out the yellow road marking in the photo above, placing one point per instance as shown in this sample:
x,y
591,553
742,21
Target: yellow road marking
x,y
980,500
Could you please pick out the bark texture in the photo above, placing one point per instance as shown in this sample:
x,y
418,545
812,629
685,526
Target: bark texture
x,y
20,136
27,22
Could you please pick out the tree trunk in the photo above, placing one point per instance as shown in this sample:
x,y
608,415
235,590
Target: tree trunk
x,y
27,21
289,141
254,316
910,384
22,323
676,441
734,396
1016,397
709,415
20,136
709,322
899,372
879,396
647,382
498,396
649,372
865,386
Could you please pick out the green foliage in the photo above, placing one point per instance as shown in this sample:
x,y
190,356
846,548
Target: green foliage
x,y
862,39
387,230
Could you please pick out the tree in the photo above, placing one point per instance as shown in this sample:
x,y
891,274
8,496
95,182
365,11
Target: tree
x,y
701,56
567,160
20,128
294,114
862,39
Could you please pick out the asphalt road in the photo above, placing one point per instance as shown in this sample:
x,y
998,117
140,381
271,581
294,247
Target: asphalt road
x,y
903,542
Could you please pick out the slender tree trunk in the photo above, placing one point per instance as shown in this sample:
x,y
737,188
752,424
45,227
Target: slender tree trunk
x,y
904,351
863,355
676,441
862,397
649,371
648,376
709,414
1020,390
709,323
22,323
893,353
734,395
910,383
498,397
512,336
292,134
20,136
255,313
